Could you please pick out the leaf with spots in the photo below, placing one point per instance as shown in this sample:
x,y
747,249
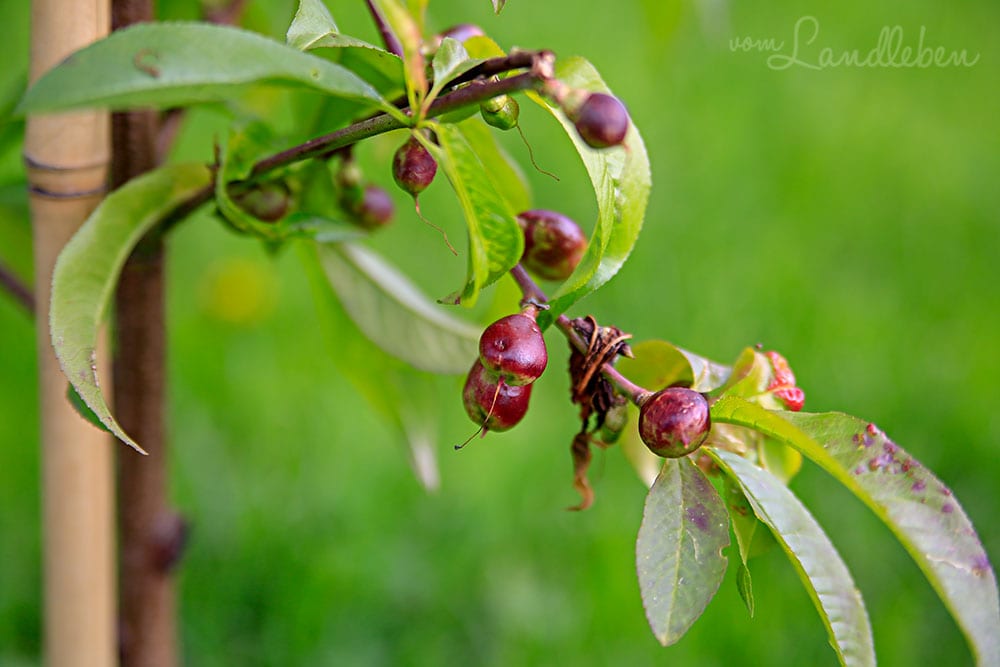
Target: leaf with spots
x,y
819,565
679,558
919,509
87,271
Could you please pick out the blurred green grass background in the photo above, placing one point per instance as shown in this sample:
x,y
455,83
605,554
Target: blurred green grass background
x,y
848,217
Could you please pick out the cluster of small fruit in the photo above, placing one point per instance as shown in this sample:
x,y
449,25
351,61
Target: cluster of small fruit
x,y
512,353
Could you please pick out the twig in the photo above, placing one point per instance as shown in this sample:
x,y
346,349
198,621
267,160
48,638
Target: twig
x,y
17,289
392,44
532,292
473,92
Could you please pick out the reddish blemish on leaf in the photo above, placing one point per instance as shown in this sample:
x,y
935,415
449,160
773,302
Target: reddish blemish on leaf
x,y
981,565
145,60
945,491
698,515
872,429
947,508
890,447
918,486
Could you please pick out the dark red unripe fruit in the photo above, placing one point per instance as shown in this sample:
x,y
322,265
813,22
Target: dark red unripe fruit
x,y
463,31
375,208
601,121
496,406
553,244
413,167
513,348
674,422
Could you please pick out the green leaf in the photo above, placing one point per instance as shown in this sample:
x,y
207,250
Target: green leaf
x,y
87,270
236,159
504,172
744,584
394,314
621,183
322,229
679,550
498,5
646,464
496,241
819,565
83,409
405,397
450,61
779,459
658,364
312,21
908,498
176,64
408,28
313,27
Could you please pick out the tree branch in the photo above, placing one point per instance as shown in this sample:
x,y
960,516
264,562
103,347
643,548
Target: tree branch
x,y
533,293
17,289
474,92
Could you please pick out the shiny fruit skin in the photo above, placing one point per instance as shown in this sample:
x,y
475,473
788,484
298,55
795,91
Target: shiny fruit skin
x,y
513,348
553,244
674,422
508,408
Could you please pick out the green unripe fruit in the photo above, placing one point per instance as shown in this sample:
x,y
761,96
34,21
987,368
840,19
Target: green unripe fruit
x,y
615,421
501,112
267,202
674,422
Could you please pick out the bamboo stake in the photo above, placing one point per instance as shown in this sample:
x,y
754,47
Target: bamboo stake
x,y
66,157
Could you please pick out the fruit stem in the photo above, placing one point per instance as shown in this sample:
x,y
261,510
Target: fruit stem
x,y
534,294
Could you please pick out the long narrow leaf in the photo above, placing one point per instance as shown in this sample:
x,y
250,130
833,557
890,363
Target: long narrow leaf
x,y
172,64
496,241
405,397
819,565
85,275
394,314
919,509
